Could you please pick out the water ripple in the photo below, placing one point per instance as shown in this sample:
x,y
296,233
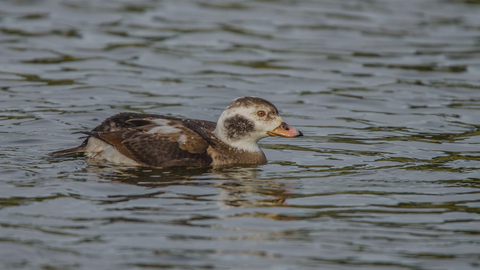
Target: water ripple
x,y
386,93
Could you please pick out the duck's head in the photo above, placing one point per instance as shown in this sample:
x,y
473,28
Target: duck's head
x,y
247,120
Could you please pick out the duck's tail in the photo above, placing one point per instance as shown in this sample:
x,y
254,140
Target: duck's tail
x,y
78,149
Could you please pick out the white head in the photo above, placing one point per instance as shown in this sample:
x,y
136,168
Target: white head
x,y
247,120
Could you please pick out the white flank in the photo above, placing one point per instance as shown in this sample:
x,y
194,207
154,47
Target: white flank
x,y
100,150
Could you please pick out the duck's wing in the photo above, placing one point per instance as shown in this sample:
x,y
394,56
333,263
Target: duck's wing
x,y
122,121
156,140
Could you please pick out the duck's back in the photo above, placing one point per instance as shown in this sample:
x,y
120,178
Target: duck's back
x,y
149,140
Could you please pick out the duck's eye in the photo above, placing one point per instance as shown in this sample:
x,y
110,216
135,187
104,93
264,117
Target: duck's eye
x,y
261,113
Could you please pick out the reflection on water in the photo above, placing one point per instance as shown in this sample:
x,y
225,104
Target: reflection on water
x,y
235,184
386,93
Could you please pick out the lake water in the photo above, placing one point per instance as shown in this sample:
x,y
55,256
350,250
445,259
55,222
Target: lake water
x,y
387,93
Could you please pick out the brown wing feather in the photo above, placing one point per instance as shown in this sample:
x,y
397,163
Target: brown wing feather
x,y
125,120
116,139
134,139
132,135
154,150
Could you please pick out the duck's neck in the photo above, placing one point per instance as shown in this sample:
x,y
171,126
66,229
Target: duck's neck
x,y
245,144
227,155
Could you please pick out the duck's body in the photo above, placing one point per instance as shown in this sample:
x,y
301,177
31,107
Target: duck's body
x,y
160,141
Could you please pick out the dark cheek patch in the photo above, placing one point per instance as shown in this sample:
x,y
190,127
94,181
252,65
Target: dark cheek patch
x,y
237,127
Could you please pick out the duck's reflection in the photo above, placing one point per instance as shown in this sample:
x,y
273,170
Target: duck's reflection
x,y
238,186
246,187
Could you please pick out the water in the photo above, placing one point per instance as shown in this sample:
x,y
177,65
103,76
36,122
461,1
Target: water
x,y
386,93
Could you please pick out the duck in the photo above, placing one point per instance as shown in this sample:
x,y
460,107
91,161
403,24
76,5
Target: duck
x,y
160,141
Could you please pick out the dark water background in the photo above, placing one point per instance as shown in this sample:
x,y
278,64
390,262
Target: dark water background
x,y
387,93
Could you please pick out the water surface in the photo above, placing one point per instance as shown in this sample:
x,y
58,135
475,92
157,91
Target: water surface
x,y
386,92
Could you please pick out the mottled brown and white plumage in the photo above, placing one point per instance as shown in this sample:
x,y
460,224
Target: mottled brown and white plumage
x,y
161,141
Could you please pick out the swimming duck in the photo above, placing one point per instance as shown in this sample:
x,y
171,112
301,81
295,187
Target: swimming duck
x,y
160,141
